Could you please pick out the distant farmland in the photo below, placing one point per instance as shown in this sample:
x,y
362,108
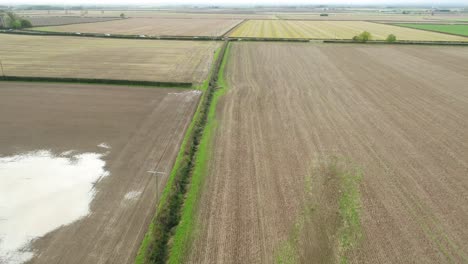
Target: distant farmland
x,y
316,160
98,58
333,30
369,16
153,27
64,20
444,28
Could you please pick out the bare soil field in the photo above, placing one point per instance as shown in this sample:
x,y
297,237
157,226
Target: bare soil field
x,y
333,30
138,130
153,27
398,120
97,58
39,21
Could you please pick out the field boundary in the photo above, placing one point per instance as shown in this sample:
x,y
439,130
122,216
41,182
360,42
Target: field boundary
x,y
110,36
401,42
155,245
75,23
184,233
96,81
227,33
271,39
226,37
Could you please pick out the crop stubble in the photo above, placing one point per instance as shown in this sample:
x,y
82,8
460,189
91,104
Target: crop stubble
x,y
333,30
143,127
98,58
400,116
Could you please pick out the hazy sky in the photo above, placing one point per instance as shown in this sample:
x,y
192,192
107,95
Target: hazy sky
x,y
252,2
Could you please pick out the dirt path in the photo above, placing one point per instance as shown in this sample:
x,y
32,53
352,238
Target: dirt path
x,y
399,113
142,126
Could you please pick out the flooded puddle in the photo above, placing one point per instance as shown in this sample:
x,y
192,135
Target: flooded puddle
x,y
39,192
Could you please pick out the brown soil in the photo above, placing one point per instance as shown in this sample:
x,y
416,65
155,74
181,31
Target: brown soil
x,y
143,126
399,113
155,26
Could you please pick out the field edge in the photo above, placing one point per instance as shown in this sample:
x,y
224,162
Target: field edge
x,y
180,166
184,231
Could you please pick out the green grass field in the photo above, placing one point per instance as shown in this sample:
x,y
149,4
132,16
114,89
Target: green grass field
x,y
444,28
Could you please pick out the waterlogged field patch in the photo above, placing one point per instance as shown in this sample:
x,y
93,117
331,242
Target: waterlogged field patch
x,y
400,120
80,166
97,58
41,191
332,30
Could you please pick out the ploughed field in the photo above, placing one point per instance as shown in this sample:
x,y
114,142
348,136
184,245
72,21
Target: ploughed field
x,y
153,27
333,30
131,135
98,58
317,160
188,13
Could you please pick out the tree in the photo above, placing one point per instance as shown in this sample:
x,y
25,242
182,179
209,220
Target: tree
x,y
122,15
11,20
16,24
391,38
363,37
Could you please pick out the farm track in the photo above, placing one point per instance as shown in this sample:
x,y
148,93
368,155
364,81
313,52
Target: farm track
x,y
400,116
144,128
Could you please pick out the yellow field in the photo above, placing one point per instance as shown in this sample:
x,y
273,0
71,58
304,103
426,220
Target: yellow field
x,y
99,58
333,30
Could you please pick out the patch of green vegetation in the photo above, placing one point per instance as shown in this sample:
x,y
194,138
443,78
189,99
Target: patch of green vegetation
x,y
363,37
45,29
328,227
457,29
391,38
350,205
11,20
184,231
154,247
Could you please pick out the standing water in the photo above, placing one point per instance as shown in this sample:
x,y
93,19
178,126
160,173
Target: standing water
x,y
39,192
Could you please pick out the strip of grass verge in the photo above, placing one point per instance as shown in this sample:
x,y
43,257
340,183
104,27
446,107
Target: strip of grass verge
x,y
184,232
154,247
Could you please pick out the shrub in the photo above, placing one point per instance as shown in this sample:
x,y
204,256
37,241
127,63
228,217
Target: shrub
x,y
122,15
391,38
25,23
363,37
323,14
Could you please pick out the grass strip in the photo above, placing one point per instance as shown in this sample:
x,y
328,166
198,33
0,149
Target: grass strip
x,y
350,233
155,245
330,215
184,231
454,29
